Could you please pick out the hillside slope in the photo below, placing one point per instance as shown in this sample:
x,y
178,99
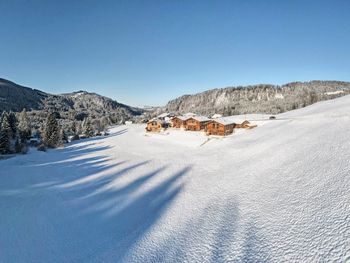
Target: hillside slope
x,y
16,97
270,99
277,193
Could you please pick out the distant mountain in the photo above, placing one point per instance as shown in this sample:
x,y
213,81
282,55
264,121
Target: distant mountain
x,y
270,99
16,97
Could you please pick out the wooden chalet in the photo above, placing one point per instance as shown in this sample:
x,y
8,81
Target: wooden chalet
x,y
246,125
156,125
220,126
179,121
196,123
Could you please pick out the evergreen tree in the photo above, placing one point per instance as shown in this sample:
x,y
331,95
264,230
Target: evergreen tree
x,y
97,125
2,117
63,136
18,146
74,128
13,124
5,135
104,122
88,130
51,132
24,126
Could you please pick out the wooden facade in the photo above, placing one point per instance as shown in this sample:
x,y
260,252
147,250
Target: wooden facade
x,y
155,126
219,128
178,122
246,125
196,123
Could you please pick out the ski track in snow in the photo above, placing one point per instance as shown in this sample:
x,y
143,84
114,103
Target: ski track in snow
x,y
277,193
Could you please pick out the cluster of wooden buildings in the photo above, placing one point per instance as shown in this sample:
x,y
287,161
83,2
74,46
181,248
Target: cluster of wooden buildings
x,y
217,126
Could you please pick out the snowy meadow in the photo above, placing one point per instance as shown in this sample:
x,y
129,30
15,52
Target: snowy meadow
x,y
276,193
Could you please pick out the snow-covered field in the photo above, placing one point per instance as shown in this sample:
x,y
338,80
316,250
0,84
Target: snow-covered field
x,y
277,193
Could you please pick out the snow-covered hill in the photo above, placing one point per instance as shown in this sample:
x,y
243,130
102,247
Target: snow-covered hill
x,y
277,193
261,98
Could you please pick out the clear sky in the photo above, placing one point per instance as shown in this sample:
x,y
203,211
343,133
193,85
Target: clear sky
x,y
147,52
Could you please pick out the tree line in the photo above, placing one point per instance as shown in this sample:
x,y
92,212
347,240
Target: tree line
x,y
16,132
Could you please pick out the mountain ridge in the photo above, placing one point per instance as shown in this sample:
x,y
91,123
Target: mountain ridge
x,y
260,98
15,97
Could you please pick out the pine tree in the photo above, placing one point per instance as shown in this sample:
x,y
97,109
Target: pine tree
x,y
5,135
24,126
104,122
97,125
51,132
88,131
18,146
74,128
2,117
63,136
13,124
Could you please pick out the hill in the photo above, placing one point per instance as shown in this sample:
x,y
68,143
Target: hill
x,y
271,99
277,193
16,97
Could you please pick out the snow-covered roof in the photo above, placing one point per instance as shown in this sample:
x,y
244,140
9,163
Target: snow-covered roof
x,y
189,114
216,115
225,120
200,118
163,115
155,119
183,118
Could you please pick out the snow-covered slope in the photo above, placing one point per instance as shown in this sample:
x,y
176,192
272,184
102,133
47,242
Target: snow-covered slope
x,y
277,193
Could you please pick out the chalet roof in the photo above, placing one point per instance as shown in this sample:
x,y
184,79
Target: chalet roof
x,y
155,119
216,115
225,120
163,115
183,118
200,118
189,114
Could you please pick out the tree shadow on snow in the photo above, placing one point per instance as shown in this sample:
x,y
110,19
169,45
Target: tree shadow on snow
x,y
215,235
82,207
97,138
115,218
255,247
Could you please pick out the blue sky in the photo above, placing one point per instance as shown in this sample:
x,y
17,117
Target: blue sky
x,y
147,52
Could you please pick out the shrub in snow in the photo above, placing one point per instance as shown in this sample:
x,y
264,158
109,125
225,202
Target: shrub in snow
x,y
75,137
34,142
18,146
42,147
24,148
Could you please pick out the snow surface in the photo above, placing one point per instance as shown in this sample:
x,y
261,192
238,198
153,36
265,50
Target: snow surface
x,y
279,96
277,193
334,92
